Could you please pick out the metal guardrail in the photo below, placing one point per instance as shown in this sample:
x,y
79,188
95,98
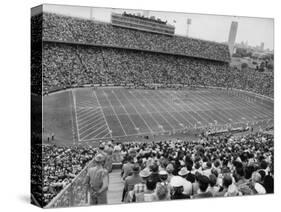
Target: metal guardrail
x,y
74,194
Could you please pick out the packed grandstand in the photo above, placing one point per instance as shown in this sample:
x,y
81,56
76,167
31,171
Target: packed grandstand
x,y
99,53
78,52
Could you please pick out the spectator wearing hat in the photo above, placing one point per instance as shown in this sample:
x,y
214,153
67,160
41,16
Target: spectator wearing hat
x,y
203,186
170,170
187,186
97,181
137,194
177,188
131,181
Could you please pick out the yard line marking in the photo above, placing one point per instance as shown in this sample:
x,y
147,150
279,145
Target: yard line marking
x,y
96,122
89,115
160,105
86,113
157,111
138,112
208,107
106,135
92,122
94,131
189,106
173,107
74,100
148,112
190,114
228,108
245,105
135,127
85,120
253,107
179,109
82,109
100,132
97,126
238,109
205,110
98,101
85,116
114,112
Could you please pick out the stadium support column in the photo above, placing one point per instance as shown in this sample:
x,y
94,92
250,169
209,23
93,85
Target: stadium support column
x,y
37,197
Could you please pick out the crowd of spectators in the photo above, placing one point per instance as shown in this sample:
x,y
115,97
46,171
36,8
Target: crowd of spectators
x,y
36,54
66,65
70,29
215,167
60,166
151,19
211,166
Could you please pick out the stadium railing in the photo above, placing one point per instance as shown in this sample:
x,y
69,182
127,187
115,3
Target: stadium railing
x,y
74,194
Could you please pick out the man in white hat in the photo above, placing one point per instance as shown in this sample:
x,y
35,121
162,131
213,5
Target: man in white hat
x,y
177,188
187,186
97,181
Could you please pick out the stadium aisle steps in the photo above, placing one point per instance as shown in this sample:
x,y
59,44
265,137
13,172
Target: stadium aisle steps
x,y
115,189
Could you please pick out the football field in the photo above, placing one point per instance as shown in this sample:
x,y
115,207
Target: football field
x,y
86,114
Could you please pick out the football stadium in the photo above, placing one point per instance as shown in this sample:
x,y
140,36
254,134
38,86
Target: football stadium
x,y
147,99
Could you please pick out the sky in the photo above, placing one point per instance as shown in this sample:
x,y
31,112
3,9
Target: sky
x,y
203,26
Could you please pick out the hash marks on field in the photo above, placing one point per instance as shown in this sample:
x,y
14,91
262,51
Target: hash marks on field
x,y
91,123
